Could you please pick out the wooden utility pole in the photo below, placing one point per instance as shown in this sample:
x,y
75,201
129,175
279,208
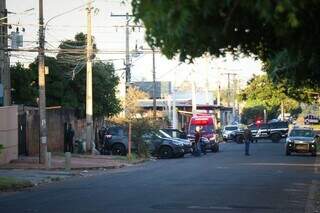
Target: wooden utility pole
x,y
89,110
4,58
42,89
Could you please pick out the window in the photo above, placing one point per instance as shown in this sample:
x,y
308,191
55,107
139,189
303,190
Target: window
x,y
301,133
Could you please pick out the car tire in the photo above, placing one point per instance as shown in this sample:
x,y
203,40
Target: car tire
x,y
165,152
181,155
118,149
215,148
239,139
288,152
275,137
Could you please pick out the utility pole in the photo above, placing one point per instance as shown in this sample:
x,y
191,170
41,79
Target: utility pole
x,y
42,89
174,105
194,96
89,111
207,78
154,85
127,60
4,58
229,86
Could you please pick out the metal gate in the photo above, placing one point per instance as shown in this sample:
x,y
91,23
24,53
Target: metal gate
x,y
22,145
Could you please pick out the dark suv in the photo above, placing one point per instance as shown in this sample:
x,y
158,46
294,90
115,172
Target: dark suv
x,y
116,141
301,140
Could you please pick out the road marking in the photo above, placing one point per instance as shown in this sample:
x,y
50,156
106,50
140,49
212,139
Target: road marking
x,y
316,165
311,204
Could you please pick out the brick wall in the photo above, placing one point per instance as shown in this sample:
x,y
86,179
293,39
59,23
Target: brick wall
x,y
56,117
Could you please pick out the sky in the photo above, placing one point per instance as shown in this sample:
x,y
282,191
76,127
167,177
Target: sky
x,y
109,33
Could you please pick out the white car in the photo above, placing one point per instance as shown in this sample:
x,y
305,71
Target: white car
x,y
228,132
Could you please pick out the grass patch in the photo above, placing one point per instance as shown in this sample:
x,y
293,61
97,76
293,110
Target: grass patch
x,y
13,184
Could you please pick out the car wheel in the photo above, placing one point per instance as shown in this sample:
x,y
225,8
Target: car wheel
x,y
181,155
288,152
239,139
275,138
215,148
165,152
118,149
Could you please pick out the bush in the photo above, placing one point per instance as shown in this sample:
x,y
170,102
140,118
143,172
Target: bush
x,y
139,128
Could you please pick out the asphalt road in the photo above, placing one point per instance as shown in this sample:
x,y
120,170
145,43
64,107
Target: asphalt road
x,y
228,181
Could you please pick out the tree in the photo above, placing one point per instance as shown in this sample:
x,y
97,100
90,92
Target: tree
x,y
66,81
132,100
283,34
24,85
261,94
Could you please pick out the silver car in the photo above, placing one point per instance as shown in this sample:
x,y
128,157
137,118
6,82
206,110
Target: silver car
x,y
301,140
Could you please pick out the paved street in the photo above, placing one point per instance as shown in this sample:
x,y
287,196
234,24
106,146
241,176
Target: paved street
x,y
228,181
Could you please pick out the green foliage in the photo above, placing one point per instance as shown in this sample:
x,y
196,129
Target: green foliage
x,y
283,34
261,94
1,147
66,82
24,85
250,114
141,127
12,184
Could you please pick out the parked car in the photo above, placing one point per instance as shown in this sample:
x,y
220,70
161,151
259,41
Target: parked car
x,y
311,119
228,132
175,133
301,140
116,141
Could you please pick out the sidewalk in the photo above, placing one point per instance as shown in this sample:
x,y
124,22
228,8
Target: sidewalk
x,y
28,168
78,162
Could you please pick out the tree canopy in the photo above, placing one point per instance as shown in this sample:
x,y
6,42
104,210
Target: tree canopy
x,y
283,34
66,81
261,94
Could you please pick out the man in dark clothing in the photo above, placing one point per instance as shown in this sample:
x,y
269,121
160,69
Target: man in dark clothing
x,y
197,137
69,138
247,140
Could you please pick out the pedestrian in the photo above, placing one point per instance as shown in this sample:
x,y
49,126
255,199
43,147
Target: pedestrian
x,y
197,137
203,145
247,140
69,138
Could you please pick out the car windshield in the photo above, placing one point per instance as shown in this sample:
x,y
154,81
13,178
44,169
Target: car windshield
x,y
301,133
164,134
231,128
204,129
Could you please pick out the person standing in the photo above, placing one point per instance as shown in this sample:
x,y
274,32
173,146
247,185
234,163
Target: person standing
x,y
247,140
197,137
70,136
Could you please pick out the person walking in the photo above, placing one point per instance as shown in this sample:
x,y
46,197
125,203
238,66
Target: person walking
x,y
69,138
247,140
197,137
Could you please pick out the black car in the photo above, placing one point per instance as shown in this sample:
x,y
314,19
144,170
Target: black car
x,y
116,141
301,140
